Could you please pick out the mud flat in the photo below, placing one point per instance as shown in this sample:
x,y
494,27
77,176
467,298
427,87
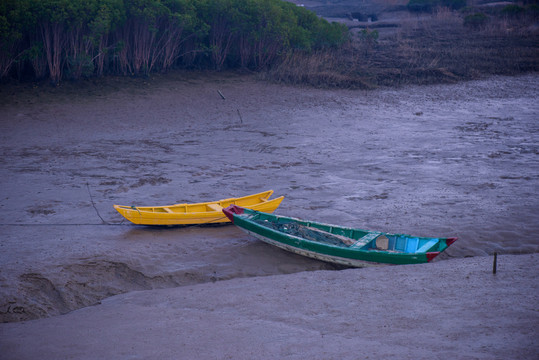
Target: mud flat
x,y
448,160
453,309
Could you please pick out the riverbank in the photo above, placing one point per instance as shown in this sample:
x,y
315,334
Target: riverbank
x,y
386,45
455,309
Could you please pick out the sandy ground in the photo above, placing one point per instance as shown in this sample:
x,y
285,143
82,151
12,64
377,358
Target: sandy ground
x,y
455,309
449,160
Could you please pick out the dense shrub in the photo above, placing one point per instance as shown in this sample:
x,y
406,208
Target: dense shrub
x,y
421,5
369,36
512,10
476,21
533,11
59,39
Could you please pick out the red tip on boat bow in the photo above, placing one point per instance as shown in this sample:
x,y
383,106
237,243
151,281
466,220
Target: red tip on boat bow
x,y
432,255
231,210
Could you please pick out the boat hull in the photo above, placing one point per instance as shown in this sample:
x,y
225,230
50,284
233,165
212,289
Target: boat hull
x,y
196,213
336,244
315,255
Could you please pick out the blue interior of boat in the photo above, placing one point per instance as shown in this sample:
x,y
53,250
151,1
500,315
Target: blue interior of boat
x,y
365,240
404,244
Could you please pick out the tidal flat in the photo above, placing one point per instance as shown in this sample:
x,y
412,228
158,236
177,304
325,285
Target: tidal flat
x,y
441,160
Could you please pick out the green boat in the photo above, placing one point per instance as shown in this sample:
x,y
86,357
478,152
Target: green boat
x,y
337,244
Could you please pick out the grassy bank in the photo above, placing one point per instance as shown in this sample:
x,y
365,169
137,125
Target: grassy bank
x,y
434,48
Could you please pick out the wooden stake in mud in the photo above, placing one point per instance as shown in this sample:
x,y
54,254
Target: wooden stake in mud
x,y
241,119
494,263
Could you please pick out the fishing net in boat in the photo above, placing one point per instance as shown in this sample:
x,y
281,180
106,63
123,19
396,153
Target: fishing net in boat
x,y
308,233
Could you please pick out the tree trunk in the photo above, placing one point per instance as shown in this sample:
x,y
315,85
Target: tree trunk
x,y
53,40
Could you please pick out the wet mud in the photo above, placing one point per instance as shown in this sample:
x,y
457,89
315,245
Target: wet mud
x,y
450,160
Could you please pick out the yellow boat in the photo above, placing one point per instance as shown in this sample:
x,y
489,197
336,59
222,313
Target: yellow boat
x,y
199,213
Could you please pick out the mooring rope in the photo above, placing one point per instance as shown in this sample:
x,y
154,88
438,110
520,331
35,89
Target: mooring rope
x,y
93,204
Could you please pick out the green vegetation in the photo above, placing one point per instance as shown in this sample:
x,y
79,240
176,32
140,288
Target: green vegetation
x,y
513,10
72,39
55,40
476,20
